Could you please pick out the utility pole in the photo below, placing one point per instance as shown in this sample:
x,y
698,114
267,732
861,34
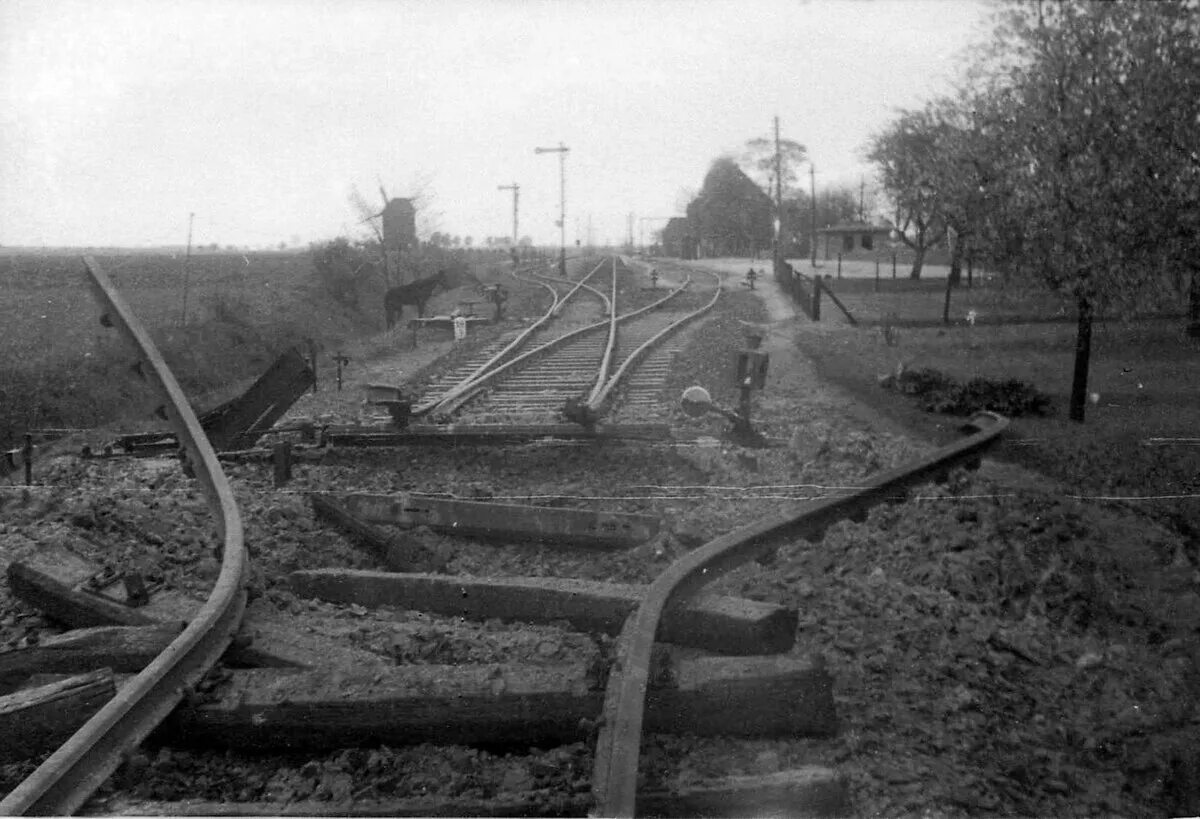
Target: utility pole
x,y
187,264
812,177
777,263
561,150
862,190
516,189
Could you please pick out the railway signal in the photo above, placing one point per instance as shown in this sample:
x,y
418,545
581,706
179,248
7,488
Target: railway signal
x,y
516,189
561,150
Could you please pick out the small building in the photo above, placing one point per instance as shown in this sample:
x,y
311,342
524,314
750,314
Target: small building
x,y
853,240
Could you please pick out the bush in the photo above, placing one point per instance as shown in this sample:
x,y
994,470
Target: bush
x,y
937,392
343,270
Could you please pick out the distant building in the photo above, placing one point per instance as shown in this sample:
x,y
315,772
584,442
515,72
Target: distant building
x,y
731,216
854,240
678,239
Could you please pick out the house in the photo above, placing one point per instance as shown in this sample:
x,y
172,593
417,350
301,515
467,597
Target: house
x,y
854,240
678,239
731,216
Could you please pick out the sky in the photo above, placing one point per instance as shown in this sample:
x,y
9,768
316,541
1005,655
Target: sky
x,y
118,119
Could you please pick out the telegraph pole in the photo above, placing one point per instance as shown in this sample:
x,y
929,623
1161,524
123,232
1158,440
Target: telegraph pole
x,y
812,176
516,189
561,150
862,191
778,260
187,263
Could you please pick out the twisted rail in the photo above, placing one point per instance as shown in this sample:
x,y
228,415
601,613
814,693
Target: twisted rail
x,y
62,783
614,779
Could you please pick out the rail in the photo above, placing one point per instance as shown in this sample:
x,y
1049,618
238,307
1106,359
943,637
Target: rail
x,y
467,385
464,391
61,784
599,396
614,780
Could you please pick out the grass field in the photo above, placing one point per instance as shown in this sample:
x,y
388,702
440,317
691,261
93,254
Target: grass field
x,y
62,369
1139,439
1141,436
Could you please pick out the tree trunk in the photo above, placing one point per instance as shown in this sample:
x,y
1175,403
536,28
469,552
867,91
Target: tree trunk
x,y
1193,329
956,259
1083,352
946,305
918,261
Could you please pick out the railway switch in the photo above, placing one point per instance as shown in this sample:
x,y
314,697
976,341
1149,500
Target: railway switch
x,y
751,277
653,279
752,369
696,401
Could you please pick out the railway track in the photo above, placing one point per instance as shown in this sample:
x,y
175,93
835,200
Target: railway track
x,y
63,783
577,373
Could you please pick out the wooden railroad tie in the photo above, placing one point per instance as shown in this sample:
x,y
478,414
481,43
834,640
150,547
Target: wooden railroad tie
x,y
499,705
727,625
38,719
496,521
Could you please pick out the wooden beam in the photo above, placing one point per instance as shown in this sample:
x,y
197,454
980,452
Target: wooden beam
x,y
65,605
501,705
400,554
51,579
36,720
123,649
494,434
503,521
728,625
808,791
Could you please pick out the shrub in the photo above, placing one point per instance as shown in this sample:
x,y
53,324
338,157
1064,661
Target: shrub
x,y
343,270
937,392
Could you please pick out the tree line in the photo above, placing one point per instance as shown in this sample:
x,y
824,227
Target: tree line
x,y
1069,156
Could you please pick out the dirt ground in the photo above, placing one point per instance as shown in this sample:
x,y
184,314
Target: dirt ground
x,y
998,645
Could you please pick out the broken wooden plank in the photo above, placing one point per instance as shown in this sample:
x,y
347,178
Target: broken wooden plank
x,y
120,648
65,605
397,553
503,521
727,625
493,434
807,791
36,720
502,705
51,580
241,421
238,423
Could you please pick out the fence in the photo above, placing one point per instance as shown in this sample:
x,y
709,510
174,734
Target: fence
x,y
806,292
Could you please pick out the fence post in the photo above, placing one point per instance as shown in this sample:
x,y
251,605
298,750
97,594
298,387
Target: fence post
x,y
816,298
893,265
27,456
839,267
970,268
876,274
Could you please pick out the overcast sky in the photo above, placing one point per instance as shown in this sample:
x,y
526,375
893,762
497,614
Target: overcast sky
x,y
118,118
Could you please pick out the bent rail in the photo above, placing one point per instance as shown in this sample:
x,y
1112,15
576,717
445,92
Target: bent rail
x,y
614,780
604,390
72,773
